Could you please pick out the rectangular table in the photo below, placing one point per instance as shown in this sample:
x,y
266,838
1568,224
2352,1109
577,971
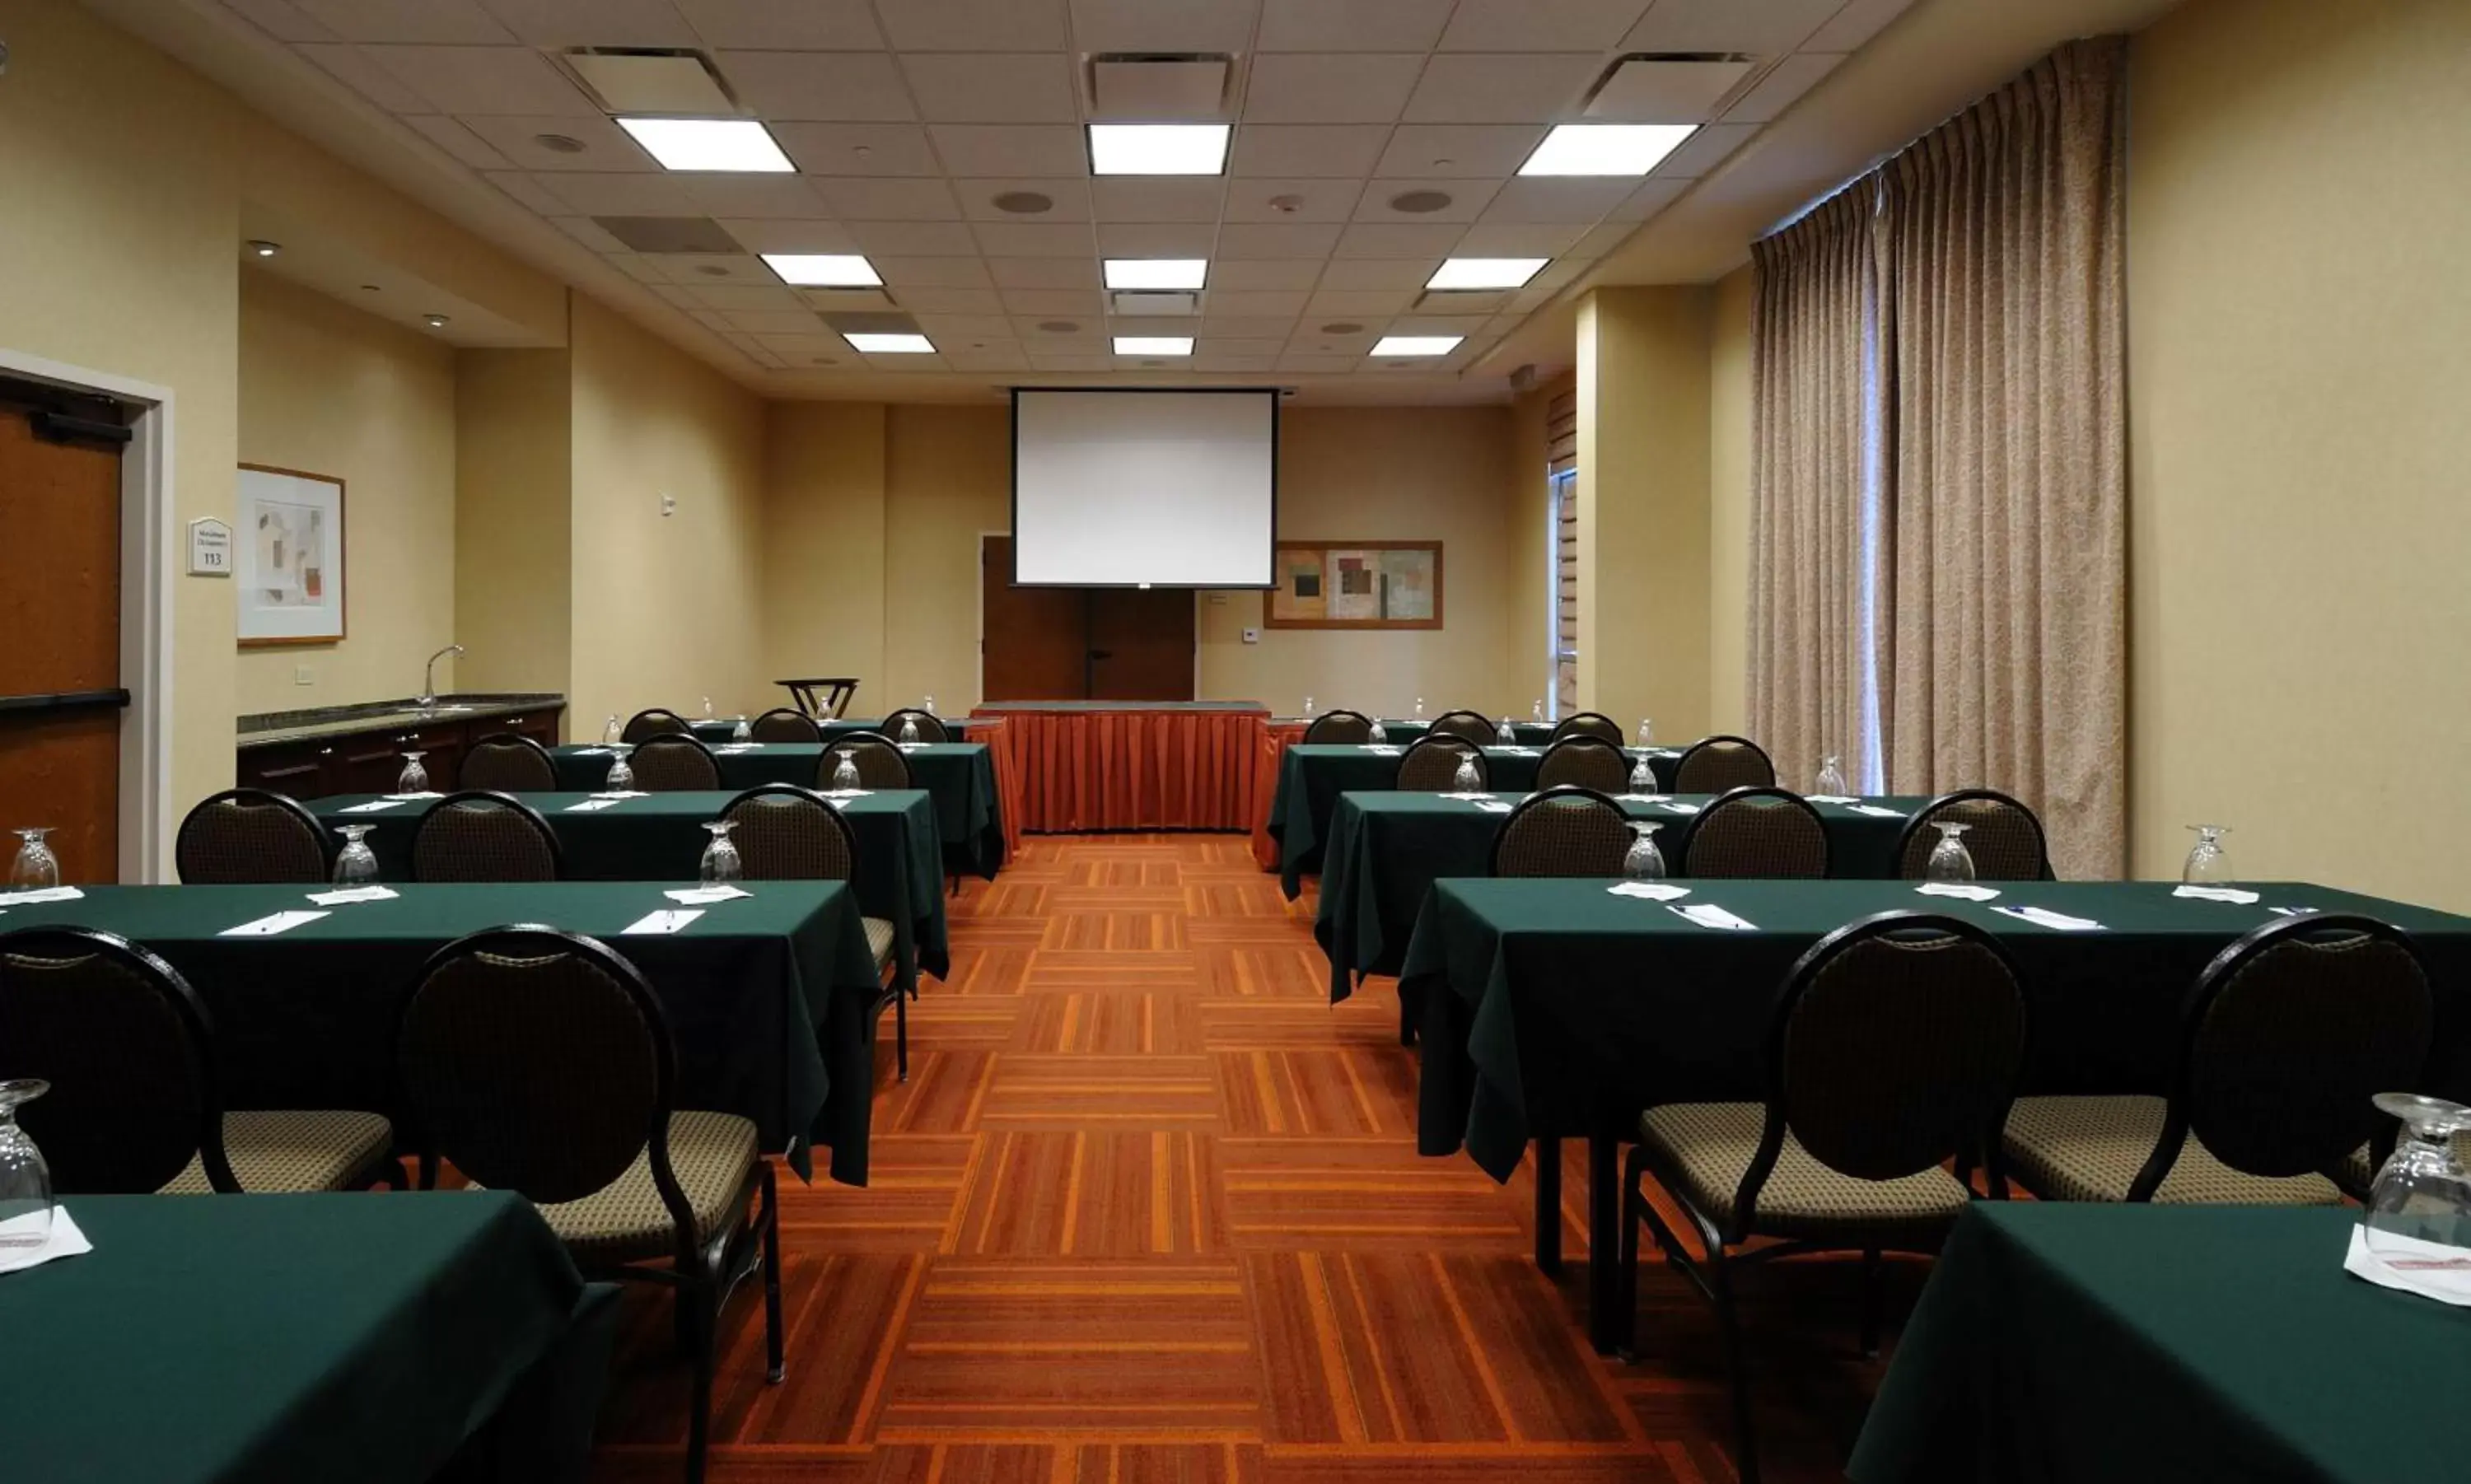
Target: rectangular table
x,y
767,998
366,1337
1311,778
2120,1344
1552,1009
1093,766
1387,848
960,776
661,838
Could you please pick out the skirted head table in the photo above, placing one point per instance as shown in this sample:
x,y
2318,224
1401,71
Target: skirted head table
x,y
1091,765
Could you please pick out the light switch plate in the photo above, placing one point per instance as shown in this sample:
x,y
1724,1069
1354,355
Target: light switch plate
x,y
302,675
1252,636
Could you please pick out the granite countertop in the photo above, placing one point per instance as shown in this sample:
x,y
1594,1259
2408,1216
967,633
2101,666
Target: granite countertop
x,y
267,728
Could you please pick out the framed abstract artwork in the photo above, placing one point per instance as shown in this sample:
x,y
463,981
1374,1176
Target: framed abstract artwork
x,y
1355,584
289,557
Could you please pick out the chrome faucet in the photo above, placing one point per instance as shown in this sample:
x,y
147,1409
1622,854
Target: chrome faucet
x,y
429,677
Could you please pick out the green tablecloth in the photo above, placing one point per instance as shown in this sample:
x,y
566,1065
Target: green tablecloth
x,y
1399,733
1387,848
767,998
660,837
373,1338
1310,780
718,733
2117,1344
961,777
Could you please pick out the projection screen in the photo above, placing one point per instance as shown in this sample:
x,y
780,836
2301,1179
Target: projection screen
x,y
1144,488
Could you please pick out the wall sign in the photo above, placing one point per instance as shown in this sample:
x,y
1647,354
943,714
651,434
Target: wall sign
x,y
210,554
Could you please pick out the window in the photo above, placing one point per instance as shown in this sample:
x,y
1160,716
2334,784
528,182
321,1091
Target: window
x,y
1562,554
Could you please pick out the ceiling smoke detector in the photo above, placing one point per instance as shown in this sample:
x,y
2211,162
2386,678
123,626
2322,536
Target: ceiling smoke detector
x,y
1289,205
1420,202
1023,203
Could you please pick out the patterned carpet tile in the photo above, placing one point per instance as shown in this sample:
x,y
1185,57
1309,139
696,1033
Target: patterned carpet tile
x,y
1088,1195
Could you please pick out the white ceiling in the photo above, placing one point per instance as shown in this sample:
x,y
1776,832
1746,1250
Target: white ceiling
x,y
908,117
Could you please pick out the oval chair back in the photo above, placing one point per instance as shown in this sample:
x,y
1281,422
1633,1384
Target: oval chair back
x,y
654,721
1564,831
2005,840
1715,763
1589,723
477,835
1431,765
1466,725
784,724
881,762
249,836
125,1045
1585,760
508,763
786,833
1338,729
1756,832
930,726
675,763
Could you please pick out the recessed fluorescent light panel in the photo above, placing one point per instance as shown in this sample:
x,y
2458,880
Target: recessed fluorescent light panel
x,y
1391,345
1153,344
891,344
1485,273
709,144
1605,149
1156,272
1158,149
823,270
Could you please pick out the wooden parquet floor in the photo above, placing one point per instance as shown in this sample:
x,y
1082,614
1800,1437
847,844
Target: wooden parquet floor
x,y
1150,1210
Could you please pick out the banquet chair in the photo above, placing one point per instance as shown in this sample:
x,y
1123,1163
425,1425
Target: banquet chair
x,y
1893,1050
1755,832
1431,765
2004,840
881,762
246,836
477,835
675,763
1713,764
784,724
2285,1038
1338,729
655,721
539,1061
1588,723
1585,760
930,726
509,764
1467,726
134,1106
786,833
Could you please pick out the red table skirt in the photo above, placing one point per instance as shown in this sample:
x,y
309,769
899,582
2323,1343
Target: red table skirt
x,y
1008,768
1276,738
1087,770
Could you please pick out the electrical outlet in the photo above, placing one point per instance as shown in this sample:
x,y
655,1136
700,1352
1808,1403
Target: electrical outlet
x,y
302,675
1252,636
668,505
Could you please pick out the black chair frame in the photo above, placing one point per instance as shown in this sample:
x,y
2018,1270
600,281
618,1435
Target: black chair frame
x,y
1569,726
659,715
261,797
1921,821
1441,742
1488,730
892,994
521,742
1736,796
1582,741
1340,713
833,750
1721,739
814,734
505,801
890,725
672,742
1547,799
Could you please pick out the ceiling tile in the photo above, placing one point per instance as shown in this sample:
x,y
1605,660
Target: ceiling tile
x,y
1065,302
833,86
1519,240
620,195
528,190
1013,88
1307,88
1303,200
1284,240
1653,196
1033,239
803,345
1072,198
1467,200
435,22
759,235
1148,199
1352,26
1168,26
774,322
1237,345
914,239
1155,240
1390,239
1601,240
352,66
1247,326
1240,366
741,297
1074,272
876,199
857,149
906,363
1580,199
966,327
932,272
592,234
468,146
1263,304
1853,26
1783,87
1459,150
1310,364
972,150
475,81
704,270
755,195
1149,325
975,25
710,318
998,356
643,270
1088,335
606,146
1273,273
1764,29
1357,303
1470,87
594,22
281,19
1346,273
1307,150
1540,25
952,301
1526,301
810,25
1063,360
1557,276
1706,150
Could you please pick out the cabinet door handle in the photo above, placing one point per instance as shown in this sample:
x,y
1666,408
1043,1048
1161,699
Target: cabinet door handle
x,y
325,752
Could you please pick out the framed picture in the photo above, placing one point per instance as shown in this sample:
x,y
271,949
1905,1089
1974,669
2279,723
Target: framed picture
x,y
289,557
1355,584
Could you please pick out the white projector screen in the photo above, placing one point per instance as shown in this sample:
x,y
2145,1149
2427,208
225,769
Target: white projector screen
x,y
1144,488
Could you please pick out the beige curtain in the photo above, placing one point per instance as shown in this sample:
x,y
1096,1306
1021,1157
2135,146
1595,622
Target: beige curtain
x,y
2000,267
1812,358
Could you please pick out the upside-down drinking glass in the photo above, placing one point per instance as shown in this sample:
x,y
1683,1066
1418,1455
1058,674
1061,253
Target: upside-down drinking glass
x,y
1642,778
1535,713
24,1180
610,734
414,778
1419,708
743,731
1643,862
1309,713
2208,863
845,774
1467,780
1831,777
1380,733
1646,732
1506,734
2422,1195
1949,860
621,773
35,867
707,710
355,865
908,729
720,862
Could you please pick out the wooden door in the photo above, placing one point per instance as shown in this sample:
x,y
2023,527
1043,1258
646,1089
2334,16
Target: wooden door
x,y
1033,640
1141,643
60,700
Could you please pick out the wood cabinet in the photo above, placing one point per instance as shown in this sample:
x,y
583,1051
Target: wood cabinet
x,y
370,761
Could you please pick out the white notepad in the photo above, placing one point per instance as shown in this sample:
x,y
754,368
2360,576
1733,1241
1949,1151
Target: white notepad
x,y
63,1241
2428,1269
1708,914
694,896
351,894
666,921
272,923
39,894
1680,809
1876,811
2044,917
1649,891
2231,894
588,805
372,807
1963,891
408,798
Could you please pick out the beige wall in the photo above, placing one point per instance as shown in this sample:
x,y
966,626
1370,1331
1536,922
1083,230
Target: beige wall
x,y
948,477
327,390
1729,504
2299,196
514,462
824,609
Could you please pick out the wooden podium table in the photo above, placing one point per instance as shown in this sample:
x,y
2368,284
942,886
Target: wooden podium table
x,y
1093,766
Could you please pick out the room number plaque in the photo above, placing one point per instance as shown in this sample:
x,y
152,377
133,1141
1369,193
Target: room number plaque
x,y
209,549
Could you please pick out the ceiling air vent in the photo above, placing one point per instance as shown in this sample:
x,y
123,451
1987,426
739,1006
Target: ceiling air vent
x,y
1158,88
1151,301
1672,88
670,234
642,80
